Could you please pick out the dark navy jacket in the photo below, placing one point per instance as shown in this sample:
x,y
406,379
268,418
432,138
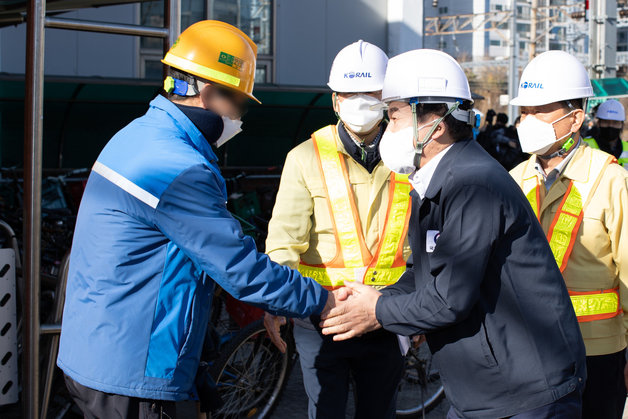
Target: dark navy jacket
x,y
488,296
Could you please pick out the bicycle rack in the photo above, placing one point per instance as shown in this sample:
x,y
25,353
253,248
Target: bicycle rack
x,y
9,261
36,21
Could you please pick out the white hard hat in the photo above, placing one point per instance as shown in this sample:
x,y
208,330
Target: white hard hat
x,y
430,76
358,67
611,110
552,76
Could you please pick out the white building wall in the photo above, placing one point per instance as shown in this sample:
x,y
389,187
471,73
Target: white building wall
x,y
311,32
405,26
480,38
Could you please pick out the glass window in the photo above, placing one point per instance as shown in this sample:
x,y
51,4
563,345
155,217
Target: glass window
x,y
152,68
622,39
254,17
496,43
152,14
192,11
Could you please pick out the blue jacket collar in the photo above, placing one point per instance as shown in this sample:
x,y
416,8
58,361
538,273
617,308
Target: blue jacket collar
x,y
197,139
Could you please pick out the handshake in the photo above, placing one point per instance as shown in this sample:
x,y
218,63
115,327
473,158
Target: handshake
x,y
349,312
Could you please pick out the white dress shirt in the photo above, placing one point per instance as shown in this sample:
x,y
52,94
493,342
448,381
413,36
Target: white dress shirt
x,y
420,179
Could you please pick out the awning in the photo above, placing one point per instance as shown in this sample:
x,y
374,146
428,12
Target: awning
x,y
610,87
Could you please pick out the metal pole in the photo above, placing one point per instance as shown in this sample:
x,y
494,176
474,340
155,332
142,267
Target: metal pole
x,y
533,8
593,39
116,28
513,72
172,23
33,131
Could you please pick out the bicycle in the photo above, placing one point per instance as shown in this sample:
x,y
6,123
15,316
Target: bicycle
x,y
420,377
249,372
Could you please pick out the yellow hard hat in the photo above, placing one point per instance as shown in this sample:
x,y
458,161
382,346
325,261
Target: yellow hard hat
x,y
218,52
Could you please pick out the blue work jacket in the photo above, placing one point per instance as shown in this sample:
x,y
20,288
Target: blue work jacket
x,y
153,234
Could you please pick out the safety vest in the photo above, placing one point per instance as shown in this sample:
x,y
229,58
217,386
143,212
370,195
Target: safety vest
x,y
353,260
589,306
623,157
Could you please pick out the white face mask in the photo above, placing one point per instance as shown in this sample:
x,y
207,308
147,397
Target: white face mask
x,y
232,127
397,149
536,136
355,112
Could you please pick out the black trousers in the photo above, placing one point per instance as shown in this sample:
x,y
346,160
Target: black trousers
x,y
98,405
373,360
605,392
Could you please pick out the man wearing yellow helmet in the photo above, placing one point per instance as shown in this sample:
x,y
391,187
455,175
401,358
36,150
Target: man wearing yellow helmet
x,y
153,234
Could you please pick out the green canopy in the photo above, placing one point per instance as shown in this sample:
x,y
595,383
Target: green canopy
x,y
610,87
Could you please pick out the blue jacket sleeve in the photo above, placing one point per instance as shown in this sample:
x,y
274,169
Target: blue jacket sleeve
x,y
193,214
457,267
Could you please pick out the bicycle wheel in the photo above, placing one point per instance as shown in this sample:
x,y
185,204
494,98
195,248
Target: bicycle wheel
x,y
420,389
251,373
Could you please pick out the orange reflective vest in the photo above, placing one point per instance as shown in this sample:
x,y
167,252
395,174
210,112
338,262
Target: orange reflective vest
x,y
353,260
589,306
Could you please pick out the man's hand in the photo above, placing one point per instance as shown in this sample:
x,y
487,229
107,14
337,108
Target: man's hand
x,y
334,299
355,315
273,327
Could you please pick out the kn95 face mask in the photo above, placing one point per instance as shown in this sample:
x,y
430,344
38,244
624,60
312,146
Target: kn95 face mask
x,y
232,127
537,136
356,113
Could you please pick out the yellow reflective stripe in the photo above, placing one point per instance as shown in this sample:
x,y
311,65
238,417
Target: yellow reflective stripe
x,y
207,72
591,142
530,190
383,276
396,221
623,157
342,213
336,277
562,233
595,304
533,200
565,225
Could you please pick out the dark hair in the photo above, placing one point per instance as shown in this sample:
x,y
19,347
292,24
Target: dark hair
x,y
502,118
457,129
180,75
576,103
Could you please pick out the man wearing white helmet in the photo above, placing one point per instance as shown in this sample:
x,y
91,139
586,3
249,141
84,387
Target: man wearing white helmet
x,y
580,197
340,214
610,123
484,288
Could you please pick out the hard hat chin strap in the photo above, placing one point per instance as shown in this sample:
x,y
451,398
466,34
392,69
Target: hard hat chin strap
x,y
420,145
564,149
